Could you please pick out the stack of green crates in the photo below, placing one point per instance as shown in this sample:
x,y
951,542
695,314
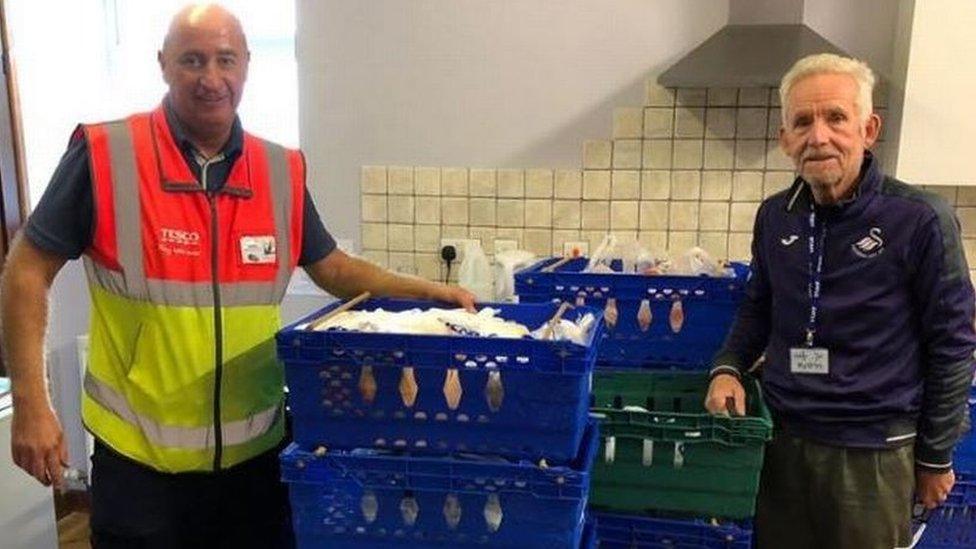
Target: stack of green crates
x,y
662,451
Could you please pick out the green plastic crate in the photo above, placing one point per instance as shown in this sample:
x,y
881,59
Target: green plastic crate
x,y
675,456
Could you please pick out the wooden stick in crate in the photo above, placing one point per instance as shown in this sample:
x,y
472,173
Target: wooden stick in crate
x,y
556,265
342,308
555,320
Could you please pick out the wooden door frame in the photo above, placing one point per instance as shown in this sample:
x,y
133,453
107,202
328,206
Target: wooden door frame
x,y
13,168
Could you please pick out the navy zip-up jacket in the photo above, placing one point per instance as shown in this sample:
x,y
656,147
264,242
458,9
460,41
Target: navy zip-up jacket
x,y
896,316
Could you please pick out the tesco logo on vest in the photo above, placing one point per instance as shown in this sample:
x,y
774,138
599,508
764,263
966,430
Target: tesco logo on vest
x,y
177,236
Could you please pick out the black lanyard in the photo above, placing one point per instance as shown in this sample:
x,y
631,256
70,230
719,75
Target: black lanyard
x,y
815,265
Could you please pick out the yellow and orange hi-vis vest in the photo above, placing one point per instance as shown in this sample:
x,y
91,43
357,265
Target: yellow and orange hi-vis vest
x,y
185,287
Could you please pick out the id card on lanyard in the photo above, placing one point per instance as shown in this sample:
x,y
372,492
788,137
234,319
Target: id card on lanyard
x,y
809,359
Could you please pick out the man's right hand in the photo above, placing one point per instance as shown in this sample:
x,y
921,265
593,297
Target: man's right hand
x,y
37,443
722,389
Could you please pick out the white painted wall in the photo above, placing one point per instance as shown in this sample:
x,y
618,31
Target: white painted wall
x,y
865,28
495,83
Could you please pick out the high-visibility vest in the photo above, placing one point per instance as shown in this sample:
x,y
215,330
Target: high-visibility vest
x,y
185,286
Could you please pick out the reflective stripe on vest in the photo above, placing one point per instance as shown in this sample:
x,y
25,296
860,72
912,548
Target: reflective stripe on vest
x,y
150,384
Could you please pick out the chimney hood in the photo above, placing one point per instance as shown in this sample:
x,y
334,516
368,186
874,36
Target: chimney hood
x,y
747,55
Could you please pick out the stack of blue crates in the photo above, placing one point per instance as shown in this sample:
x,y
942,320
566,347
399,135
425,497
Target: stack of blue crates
x,y
439,441
708,306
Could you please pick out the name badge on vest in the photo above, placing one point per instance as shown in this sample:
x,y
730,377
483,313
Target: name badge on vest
x,y
258,250
809,360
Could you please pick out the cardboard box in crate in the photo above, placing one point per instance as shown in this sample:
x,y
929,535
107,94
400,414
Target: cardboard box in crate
x,y
675,456
518,397
708,306
376,498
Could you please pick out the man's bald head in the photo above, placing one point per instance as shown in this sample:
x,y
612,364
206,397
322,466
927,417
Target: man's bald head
x,y
204,62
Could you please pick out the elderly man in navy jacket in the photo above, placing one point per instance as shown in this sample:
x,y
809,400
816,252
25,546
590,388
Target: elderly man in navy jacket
x,y
861,301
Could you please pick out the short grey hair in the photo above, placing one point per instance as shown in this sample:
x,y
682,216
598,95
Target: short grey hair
x,y
829,63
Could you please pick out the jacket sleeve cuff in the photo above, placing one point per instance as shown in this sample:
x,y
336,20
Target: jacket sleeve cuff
x,y
724,369
725,363
933,461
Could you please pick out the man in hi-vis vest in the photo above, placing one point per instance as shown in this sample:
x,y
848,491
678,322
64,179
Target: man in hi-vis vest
x,y
189,228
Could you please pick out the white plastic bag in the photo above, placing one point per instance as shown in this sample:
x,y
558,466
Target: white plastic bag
x,y
475,272
506,263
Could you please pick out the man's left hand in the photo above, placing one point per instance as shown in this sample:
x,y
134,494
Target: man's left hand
x,y
454,294
932,489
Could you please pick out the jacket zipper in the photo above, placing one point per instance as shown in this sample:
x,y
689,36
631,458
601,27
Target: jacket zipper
x,y
218,327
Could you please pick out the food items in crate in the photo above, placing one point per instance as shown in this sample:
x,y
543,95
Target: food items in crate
x,y
615,256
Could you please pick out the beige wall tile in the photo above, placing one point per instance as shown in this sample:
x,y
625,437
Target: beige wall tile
x,y
566,214
538,183
966,196
653,215
596,154
685,185
740,246
486,235
569,184
747,186
774,182
538,213
716,185
401,209
403,263
655,242
880,96
687,154
715,243
374,207
722,97
656,95
774,123
377,257
680,242
374,236
511,183
750,154
507,233
401,238
596,215
627,153
481,211
596,184
427,238
427,181
690,97
625,185
684,216
429,266
562,236
428,211
482,182
655,184
623,215
689,122
774,97
719,154
593,238
750,123
400,179
627,123
947,193
967,219
454,181
538,241
372,180
454,211
720,123
743,216
714,217
657,154
511,213
753,97
776,159
454,231
969,248
658,123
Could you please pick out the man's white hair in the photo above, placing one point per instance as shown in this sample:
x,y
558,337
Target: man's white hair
x,y
829,63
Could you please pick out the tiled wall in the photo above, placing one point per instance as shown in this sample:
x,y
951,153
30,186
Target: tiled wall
x,y
690,167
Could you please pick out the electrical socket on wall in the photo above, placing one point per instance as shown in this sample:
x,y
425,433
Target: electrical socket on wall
x,y
459,245
576,248
503,245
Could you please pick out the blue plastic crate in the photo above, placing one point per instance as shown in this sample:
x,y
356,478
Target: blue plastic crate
x,y
709,305
953,524
642,532
964,457
542,411
377,498
589,540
